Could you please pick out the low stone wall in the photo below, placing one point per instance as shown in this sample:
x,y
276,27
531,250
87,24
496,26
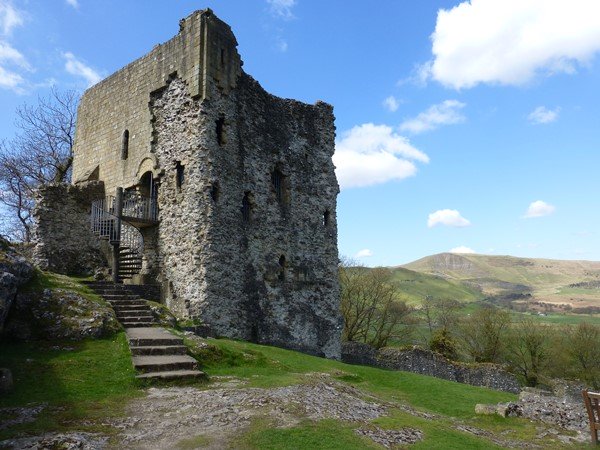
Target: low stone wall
x,y
426,362
63,240
15,270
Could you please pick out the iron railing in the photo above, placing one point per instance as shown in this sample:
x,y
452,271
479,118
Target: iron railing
x,y
138,206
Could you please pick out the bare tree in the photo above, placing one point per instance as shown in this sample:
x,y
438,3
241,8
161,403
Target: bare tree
x,y
41,152
370,307
529,350
482,333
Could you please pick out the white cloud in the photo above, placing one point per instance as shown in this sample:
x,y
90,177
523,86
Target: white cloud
x,y
282,8
391,103
364,253
509,42
73,3
448,217
445,113
281,44
9,54
539,209
541,115
371,154
10,17
10,80
462,249
78,68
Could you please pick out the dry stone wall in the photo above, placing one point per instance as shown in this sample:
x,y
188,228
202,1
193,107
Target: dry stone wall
x,y
63,240
426,362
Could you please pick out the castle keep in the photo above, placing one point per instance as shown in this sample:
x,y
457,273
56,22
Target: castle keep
x,y
225,194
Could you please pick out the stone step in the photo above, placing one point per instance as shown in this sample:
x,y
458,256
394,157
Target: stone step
x,y
172,375
120,308
138,318
137,324
127,302
164,363
142,337
159,350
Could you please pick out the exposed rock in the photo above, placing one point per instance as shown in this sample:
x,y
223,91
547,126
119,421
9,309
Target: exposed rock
x,y
63,441
162,315
391,438
6,381
60,314
18,416
426,362
15,270
485,410
501,409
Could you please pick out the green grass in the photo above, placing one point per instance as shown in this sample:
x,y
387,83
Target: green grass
x,y
49,280
93,380
266,366
415,286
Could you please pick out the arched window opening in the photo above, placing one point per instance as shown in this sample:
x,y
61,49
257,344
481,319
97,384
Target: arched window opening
x,y
279,181
180,175
326,218
281,268
214,192
220,124
247,207
125,145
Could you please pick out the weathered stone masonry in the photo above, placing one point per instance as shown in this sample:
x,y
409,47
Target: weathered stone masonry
x,y
247,234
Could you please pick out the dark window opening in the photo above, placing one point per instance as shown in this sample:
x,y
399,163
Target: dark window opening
x,y
326,218
125,145
221,130
180,176
222,57
247,207
279,185
214,192
281,268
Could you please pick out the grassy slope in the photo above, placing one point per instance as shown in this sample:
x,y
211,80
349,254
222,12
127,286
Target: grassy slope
x,y
415,286
546,278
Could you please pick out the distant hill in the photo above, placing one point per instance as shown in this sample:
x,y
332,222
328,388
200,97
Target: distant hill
x,y
414,286
554,281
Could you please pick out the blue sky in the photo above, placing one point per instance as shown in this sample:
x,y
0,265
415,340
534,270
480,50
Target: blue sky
x,y
466,126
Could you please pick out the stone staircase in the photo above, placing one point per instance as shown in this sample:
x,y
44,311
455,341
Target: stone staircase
x,y
156,353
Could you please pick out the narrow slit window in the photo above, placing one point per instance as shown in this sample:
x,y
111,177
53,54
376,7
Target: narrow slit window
x,y
125,145
278,181
180,175
326,218
247,207
222,57
220,124
214,192
282,268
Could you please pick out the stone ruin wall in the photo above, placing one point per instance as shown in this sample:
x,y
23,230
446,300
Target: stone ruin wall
x,y
218,267
120,102
62,237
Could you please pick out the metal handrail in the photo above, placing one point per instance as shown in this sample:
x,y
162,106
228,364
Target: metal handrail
x,y
104,224
139,206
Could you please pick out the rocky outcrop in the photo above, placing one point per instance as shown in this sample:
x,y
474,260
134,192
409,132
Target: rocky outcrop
x,y
426,362
58,314
14,271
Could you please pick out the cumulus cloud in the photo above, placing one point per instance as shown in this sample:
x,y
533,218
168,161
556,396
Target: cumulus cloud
x,y
509,42
462,249
539,208
448,217
391,103
10,17
445,113
11,60
541,115
364,253
282,8
75,67
371,154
